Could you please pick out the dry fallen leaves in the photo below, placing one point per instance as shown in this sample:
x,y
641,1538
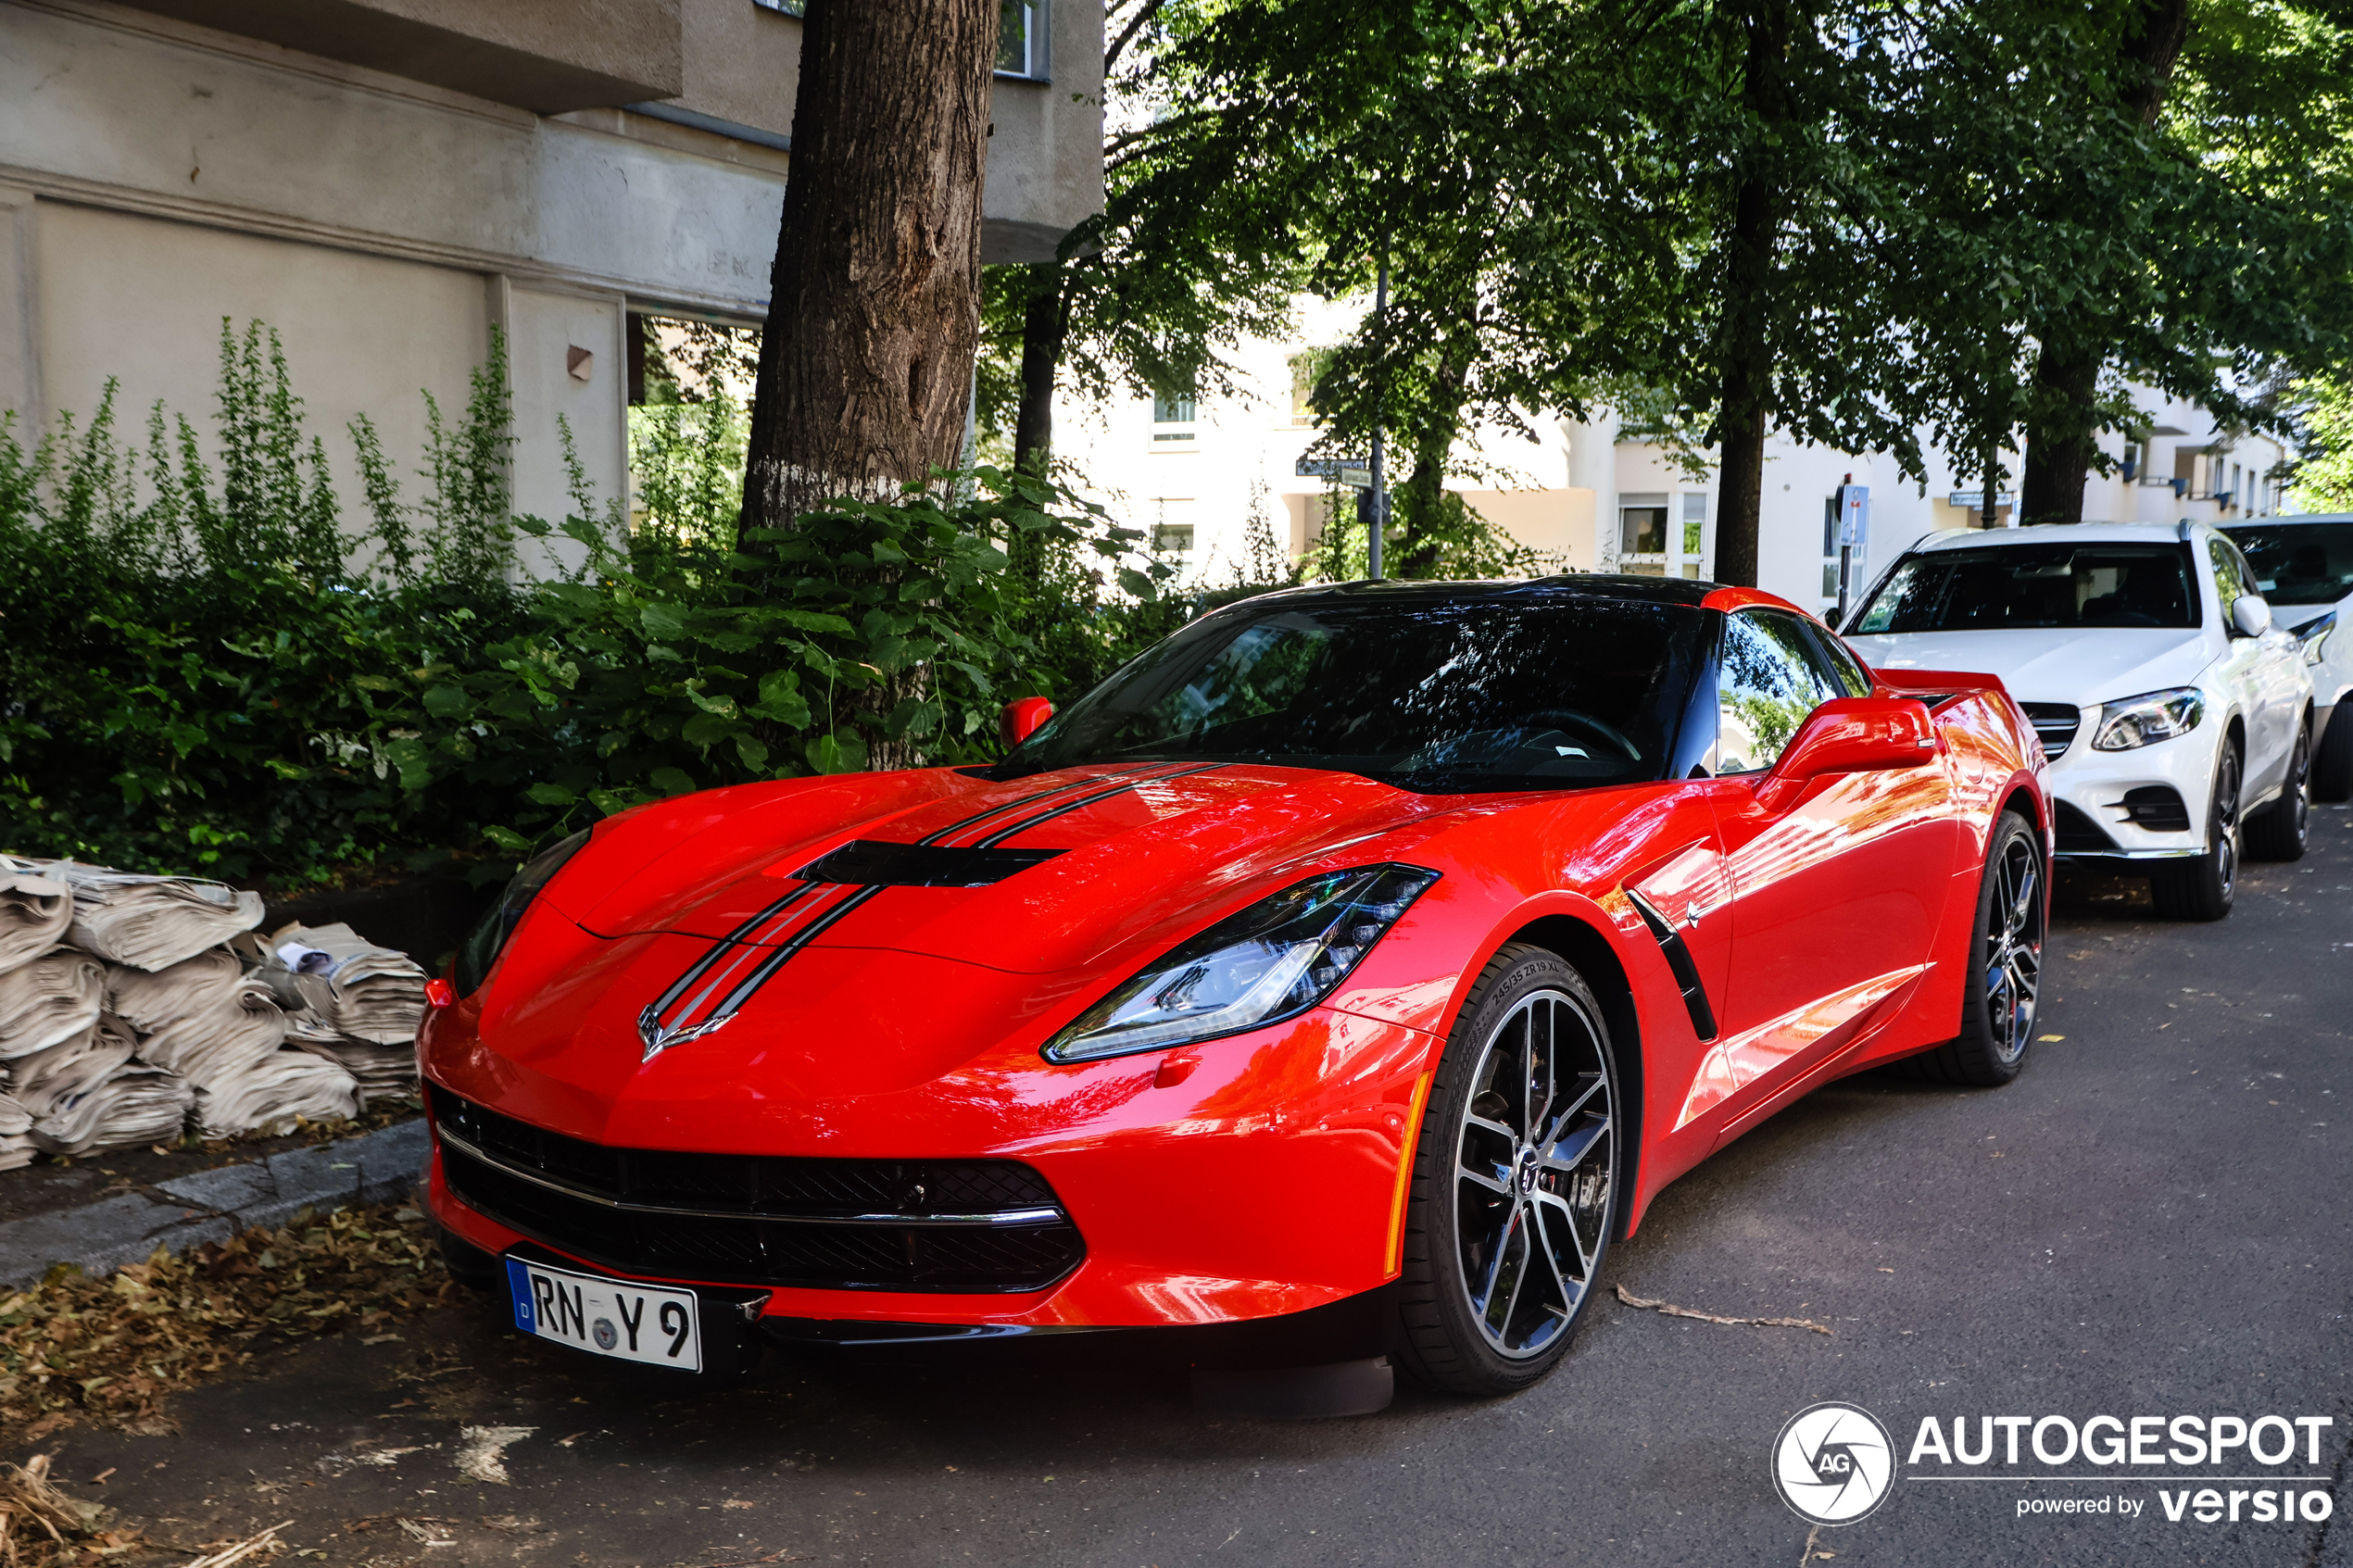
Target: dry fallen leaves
x,y
37,1521
111,1349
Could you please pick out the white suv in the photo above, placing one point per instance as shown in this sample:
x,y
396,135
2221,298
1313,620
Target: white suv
x,y
2304,567
2177,721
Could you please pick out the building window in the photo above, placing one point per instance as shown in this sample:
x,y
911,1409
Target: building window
x,y
1641,536
1174,539
1021,39
1694,534
782,7
1173,418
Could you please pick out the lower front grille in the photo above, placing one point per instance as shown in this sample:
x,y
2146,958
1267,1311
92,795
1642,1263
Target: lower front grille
x,y
2056,723
2078,834
2158,808
992,1251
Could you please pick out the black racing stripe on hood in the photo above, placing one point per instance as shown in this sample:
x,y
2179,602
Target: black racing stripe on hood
x,y
664,1023
1063,810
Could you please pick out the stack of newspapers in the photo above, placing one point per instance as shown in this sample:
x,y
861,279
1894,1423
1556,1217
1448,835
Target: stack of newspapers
x,y
134,1007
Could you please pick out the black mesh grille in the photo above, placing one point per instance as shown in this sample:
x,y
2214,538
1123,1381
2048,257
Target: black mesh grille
x,y
2056,723
762,1234
2078,834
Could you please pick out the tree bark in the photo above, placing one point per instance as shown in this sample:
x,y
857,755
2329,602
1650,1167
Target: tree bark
x,y
1043,327
2062,435
2060,444
865,366
1746,348
1420,502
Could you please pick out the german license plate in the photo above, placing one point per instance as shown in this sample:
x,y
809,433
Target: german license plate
x,y
607,1317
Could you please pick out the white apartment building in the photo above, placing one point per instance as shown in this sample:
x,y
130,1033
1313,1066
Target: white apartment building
x,y
384,182
1193,470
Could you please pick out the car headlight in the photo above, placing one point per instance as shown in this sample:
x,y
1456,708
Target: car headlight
x,y
2315,636
482,944
1275,958
2146,719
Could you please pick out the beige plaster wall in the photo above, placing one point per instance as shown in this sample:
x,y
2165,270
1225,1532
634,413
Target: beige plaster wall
x,y
141,300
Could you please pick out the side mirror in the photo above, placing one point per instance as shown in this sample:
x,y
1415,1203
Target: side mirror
x,y
1855,735
1021,719
2250,614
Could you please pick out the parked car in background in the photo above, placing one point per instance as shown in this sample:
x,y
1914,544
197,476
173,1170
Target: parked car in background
x,y
2177,717
1380,949
2304,569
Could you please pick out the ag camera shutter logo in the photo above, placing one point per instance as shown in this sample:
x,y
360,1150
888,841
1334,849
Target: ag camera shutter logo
x,y
1834,1464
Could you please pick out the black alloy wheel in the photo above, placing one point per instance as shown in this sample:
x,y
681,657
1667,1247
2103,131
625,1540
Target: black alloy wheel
x,y
2283,830
2202,888
1999,1009
1514,1183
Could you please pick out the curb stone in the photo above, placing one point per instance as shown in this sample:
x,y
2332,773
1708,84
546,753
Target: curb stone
x,y
213,1205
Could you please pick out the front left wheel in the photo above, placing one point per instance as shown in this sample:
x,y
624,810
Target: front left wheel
x,y
2283,830
1515,1187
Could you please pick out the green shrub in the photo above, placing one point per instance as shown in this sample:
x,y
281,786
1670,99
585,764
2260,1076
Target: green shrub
x,y
202,670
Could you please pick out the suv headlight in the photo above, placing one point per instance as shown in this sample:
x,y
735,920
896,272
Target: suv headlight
x,y
2315,636
2144,721
482,944
1274,959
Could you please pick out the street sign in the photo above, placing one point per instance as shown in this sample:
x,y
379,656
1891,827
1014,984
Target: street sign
x,y
1333,467
1973,499
1362,478
1853,513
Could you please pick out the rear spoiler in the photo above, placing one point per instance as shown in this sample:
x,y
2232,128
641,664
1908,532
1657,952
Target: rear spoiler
x,y
1937,688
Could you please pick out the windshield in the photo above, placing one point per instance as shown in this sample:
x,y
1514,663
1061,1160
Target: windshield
x,y
2298,563
1431,695
2010,587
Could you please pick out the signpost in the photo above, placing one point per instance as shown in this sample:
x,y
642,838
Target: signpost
x,y
1854,536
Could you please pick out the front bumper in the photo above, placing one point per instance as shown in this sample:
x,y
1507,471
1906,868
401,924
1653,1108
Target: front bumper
x,y
2125,808
1261,1183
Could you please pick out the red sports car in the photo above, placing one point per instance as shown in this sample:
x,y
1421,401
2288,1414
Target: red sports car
x,y
1391,944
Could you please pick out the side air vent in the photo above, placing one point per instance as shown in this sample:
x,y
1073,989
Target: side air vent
x,y
1679,963
2057,723
868,862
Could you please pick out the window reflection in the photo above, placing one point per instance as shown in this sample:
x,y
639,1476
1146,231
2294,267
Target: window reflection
x,y
1526,692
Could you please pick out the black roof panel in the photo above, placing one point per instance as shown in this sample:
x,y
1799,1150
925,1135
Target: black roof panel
x,y
1573,584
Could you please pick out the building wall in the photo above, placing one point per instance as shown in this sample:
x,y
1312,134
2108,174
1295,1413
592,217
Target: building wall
x,y
157,174
109,309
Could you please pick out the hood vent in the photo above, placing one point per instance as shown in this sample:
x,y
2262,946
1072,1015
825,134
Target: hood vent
x,y
867,862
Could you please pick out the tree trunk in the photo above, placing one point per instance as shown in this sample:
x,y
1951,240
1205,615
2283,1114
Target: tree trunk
x,y
2062,428
865,367
2060,444
1420,502
1746,348
1043,326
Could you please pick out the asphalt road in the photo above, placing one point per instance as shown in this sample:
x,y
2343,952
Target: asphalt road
x,y
2151,1221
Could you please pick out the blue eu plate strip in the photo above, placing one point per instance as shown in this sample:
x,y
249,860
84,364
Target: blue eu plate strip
x,y
518,1287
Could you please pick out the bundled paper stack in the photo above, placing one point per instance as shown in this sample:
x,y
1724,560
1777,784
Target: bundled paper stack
x,y
150,922
364,1003
34,912
88,1093
130,1004
70,1081
16,1134
206,1020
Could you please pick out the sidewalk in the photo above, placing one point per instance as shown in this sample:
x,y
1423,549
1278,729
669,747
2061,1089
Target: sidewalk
x,y
212,1204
